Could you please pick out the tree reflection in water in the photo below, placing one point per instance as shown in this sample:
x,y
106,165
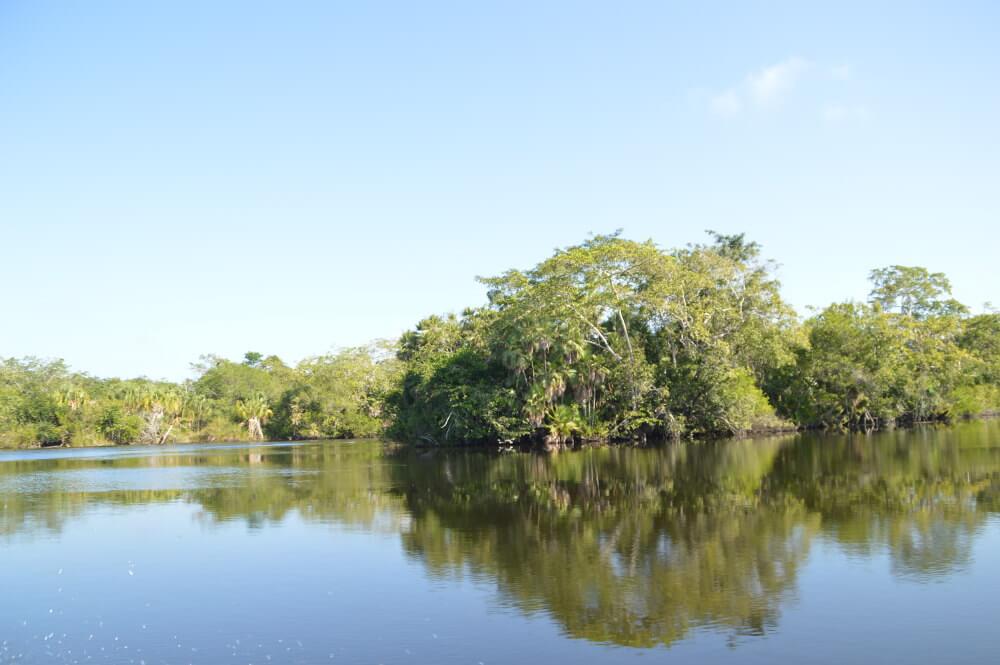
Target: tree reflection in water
x,y
618,545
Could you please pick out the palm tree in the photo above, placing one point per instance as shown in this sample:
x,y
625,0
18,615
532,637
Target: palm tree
x,y
172,404
72,397
255,412
197,408
564,422
155,406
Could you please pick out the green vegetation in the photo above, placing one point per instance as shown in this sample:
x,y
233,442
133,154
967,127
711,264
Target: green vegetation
x,y
43,403
607,340
614,339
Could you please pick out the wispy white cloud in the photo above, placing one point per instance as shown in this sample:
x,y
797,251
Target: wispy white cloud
x,y
765,88
726,103
768,86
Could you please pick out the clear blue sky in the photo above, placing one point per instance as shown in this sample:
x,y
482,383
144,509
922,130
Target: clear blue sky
x,y
179,178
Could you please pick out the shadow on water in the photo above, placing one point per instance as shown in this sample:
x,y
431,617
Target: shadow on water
x,y
618,545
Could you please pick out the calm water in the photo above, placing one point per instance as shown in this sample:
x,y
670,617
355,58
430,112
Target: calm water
x,y
803,549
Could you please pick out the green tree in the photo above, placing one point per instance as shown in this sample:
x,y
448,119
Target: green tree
x,y
252,358
913,291
254,412
635,339
159,407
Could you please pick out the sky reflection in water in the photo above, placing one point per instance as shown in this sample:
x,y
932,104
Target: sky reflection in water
x,y
808,548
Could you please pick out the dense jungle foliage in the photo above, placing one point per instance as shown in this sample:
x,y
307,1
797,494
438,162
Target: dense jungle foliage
x,y
608,340
332,396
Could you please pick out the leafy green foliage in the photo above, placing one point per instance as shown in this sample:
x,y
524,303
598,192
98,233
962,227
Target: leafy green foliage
x,y
610,339
913,291
337,396
618,339
908,356
43,403
629,339
118,427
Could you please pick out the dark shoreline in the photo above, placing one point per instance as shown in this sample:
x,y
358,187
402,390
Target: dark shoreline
x,y
535,445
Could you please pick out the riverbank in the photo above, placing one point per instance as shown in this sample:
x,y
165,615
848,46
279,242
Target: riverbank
x,y
539,443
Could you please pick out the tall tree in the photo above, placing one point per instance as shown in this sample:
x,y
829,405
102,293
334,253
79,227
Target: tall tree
x,y
254,412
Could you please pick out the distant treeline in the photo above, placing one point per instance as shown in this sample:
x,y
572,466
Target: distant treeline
x,y
332,396
608,340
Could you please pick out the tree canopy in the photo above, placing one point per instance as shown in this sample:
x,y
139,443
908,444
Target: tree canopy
x,y
608,339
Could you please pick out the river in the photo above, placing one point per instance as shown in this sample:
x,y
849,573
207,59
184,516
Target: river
x,y
805,548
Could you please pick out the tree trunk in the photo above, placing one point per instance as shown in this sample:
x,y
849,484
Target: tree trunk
x,y
254,428
163,439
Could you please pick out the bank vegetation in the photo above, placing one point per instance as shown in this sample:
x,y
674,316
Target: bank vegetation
x,y
608,340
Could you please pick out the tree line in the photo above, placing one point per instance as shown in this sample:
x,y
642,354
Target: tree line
x,y
610,339
341,395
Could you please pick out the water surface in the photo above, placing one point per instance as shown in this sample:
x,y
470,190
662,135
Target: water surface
x,y
804,549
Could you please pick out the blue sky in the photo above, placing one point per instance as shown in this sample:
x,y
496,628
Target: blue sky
x,y
181,178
